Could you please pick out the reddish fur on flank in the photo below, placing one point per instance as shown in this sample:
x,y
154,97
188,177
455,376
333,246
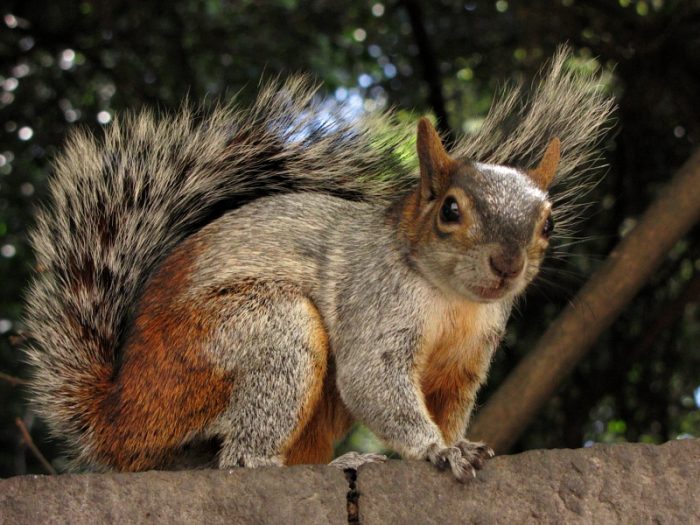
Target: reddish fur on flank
x,y
318,344
330,420
165,389
324,417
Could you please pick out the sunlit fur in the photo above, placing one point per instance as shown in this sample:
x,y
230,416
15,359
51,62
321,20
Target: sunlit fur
x,y
120,204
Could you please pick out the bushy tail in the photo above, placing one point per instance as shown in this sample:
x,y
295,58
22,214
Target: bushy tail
x,y
565,102
118,204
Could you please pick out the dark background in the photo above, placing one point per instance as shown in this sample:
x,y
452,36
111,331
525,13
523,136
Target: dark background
x,y
65,63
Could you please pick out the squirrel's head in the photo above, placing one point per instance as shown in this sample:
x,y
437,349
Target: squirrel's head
x,y
478,230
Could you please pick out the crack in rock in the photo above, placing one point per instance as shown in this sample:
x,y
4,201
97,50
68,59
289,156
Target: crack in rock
x,y
353,497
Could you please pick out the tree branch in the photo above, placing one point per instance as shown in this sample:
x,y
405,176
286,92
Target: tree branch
x,y
14,381
596,306
30,443
431,73
612,380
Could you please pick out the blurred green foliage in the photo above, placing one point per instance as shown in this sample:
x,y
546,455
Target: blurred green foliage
x,y
66,63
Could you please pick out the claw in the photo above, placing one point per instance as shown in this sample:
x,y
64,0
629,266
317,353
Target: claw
x,y
463,471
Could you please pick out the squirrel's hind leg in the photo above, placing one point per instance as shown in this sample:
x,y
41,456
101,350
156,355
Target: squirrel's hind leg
x,y
274,343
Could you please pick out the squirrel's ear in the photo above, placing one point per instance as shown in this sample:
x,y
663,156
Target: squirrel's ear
x,y
434,161
544,173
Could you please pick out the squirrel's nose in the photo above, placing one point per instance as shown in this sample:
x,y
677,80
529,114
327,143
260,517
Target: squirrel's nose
x,y
507,265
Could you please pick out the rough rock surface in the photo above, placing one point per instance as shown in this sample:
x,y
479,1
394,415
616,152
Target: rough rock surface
x,y
303,495
629,483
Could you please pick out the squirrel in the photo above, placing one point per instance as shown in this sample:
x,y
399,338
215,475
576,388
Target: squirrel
x,y
266,276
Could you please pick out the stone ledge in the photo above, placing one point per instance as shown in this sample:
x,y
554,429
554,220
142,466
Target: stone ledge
x,y
304,495
630,483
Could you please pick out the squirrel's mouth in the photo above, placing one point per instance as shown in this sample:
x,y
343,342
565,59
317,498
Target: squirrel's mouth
x,y
491,293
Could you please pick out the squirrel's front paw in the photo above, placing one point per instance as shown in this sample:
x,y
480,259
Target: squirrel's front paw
x,y
476,452
452,457
463,459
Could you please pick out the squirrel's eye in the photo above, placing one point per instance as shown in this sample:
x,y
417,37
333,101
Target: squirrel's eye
x,y
548,227
450,210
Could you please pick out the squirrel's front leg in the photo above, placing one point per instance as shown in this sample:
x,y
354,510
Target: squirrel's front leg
x,y
381,389
449,395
